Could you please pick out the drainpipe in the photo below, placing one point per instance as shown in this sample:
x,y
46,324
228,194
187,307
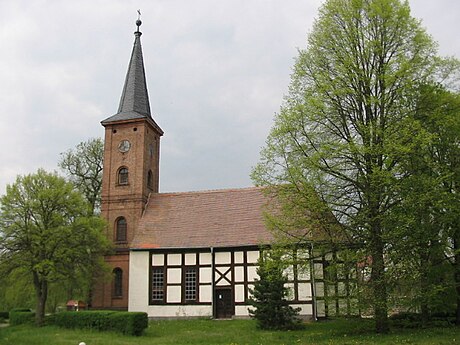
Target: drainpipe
x,y
212,283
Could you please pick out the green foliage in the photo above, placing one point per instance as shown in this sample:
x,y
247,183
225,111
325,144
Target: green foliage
x,y
19,310
426,220
347,131
130,323
47,233
417,320
21,316
16,289
83,165
269,296
342,288
4,314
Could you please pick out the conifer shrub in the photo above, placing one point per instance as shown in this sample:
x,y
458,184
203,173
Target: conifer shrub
x,y
129,323
269,296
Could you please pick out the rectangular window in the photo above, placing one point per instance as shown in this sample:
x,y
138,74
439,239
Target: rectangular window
x,y
190,284
158,287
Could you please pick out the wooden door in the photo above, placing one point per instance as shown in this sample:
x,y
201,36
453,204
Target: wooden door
x,y
224,303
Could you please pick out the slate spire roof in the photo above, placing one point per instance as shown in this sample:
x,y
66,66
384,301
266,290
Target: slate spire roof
x,y
134,101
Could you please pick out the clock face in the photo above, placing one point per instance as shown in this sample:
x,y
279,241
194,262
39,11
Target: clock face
x,y
124,146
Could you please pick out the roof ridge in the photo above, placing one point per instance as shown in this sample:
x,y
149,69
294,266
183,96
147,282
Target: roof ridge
x,y
212,191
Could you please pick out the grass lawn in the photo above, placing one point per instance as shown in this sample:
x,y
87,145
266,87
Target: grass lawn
x,y
235,332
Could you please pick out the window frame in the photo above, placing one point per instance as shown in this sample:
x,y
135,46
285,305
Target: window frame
x,y
122,176
157,285
117,291
190,286
121,229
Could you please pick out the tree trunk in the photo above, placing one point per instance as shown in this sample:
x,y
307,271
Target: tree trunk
x,y
425,249
378,280
41,292
457,272
424,281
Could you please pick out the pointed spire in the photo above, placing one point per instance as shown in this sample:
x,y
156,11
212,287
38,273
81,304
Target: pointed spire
x,y
134,101
134,97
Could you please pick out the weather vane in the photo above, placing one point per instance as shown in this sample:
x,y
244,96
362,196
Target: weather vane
x,y
138,21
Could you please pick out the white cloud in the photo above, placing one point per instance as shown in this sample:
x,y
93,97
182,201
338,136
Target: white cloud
x,y
216,70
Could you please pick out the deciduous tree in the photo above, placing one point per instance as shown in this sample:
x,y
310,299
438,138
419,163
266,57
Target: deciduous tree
x,y
347,121
83,165
438,111
46,230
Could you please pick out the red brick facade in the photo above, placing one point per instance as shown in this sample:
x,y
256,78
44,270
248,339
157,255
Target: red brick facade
x,y
131,175
129,199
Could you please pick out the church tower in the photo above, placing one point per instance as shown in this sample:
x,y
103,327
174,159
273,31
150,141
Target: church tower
x,y
131,174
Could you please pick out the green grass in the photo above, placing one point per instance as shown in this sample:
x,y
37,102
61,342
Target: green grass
x,y
235,332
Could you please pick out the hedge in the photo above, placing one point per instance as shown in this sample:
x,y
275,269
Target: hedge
x,y
415,320
20,309
4,315
130,323
21,316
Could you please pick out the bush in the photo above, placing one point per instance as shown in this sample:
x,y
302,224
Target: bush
x,y
416,320
129,323
4,314
21,316
406,316
272,309
50,319
20,309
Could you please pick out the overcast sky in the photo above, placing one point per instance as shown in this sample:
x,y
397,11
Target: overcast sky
x,y
216,74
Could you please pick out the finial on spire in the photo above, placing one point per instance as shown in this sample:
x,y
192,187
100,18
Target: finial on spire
x,y
138,21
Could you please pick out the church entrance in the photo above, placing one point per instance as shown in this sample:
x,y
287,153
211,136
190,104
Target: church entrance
x,y
223,301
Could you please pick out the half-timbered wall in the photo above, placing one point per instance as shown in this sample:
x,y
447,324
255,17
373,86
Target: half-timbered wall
x,y
205,282
335,282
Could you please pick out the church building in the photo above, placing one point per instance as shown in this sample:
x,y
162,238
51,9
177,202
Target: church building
x,y
184,254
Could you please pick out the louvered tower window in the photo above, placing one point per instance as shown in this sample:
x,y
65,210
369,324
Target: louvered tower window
x,y
121,229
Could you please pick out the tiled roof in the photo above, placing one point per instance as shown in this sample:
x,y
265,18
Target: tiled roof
x,y
219,218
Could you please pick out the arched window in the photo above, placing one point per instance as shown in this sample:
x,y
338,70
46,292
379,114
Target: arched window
x,y
122,176
150,179
121,229
117,282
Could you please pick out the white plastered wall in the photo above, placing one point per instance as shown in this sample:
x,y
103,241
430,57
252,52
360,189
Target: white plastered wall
x,y
138,281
